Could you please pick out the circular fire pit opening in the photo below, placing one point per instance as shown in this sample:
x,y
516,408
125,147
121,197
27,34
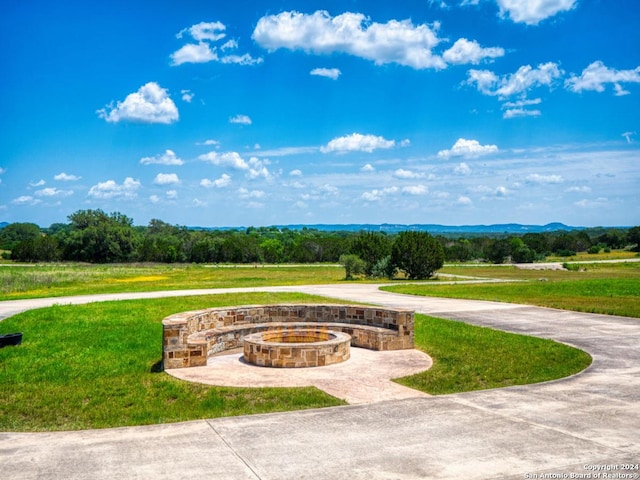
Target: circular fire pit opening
x,y
294,348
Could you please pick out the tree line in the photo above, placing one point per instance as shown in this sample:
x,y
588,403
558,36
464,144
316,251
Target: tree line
x,y
97,237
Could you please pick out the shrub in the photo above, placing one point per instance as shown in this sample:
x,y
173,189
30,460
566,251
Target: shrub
x,y
384,268
353,265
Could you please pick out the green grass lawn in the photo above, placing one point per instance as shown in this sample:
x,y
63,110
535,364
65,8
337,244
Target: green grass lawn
x,y
467,357
612,289
96,366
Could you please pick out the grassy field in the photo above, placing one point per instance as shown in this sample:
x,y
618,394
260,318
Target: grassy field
x,y
591,257
55,280
612,289
97,366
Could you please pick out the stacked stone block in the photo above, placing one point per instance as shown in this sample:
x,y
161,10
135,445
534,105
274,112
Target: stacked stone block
x,y
190,337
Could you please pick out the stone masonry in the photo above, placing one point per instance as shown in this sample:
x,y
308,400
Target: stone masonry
x,y
189,338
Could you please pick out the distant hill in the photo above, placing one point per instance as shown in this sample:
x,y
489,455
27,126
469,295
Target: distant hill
x,y
3,224
508,228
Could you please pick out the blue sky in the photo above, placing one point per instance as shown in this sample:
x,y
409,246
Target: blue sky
x,y
261,113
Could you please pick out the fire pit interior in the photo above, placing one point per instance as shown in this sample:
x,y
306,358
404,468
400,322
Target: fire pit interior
x,y
300,347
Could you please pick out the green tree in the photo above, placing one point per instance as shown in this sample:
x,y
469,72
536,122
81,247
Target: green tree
x,y
353,265
162,242
458,251
538,242
272,250
42,249
633,238
371,247
240,248
97,237
498,250
520,252
205,249
417,254
14,233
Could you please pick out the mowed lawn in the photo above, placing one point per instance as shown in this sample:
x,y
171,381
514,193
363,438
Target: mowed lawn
x,y
612,289
98,366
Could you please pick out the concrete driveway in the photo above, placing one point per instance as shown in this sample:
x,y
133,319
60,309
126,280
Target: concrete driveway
x,y
585,426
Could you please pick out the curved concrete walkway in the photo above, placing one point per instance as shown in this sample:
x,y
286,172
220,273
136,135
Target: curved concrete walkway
x,y
585,424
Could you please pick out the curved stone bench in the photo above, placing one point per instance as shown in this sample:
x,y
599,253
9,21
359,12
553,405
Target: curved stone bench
x,y
189,338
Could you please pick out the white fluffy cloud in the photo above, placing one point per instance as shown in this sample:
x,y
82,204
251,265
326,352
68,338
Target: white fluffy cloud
x,y
415,190
227,159
332,73
187,95
167,158
111,189
518,83
462,169
221,182
533,12
520,112
402,173
467,148
26,200
399,42
169,195
255,167
356,142
241,119
53,192
166,179
244,193
378,194
202,52
64,177
150,104
597,75
518,108
544,179
469,51
205,31
209,142
581,189
258,169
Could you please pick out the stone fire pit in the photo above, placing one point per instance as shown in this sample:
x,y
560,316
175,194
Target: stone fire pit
x,y
190,338
296,347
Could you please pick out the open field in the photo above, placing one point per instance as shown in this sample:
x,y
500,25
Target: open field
x,y
591,257
97,366
55,280
612,289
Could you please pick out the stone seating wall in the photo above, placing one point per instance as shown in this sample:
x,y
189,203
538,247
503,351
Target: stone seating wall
x,y
189,338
